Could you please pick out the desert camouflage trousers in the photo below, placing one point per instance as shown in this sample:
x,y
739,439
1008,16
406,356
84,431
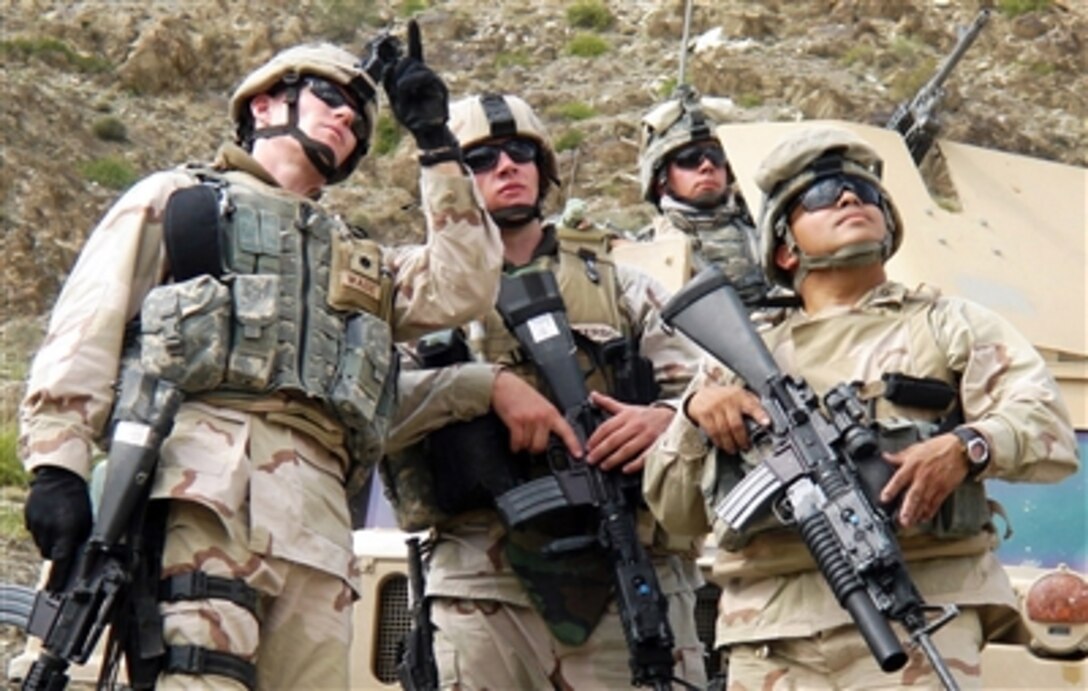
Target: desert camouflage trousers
x,y
840,659
303,635
487,644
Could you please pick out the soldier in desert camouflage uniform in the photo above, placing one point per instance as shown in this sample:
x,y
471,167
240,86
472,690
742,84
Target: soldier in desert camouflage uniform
x,y
277,320
828,227
505,617
685,174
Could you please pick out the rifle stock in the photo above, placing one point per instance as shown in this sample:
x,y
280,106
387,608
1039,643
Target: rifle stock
x,y
812,470
532,308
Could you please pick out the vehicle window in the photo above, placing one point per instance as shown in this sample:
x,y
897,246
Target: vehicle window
x,y
1049,522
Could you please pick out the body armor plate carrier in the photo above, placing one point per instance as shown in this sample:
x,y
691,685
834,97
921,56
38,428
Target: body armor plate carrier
x,y
271,294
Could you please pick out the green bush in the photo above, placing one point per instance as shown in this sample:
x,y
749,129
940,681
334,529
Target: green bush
x,y
112,172
589,14
571,139
585,45
387,136
575,111
512,58
53,50
110,129
668,88
1015,8
410,8
11,468
858,53
750,99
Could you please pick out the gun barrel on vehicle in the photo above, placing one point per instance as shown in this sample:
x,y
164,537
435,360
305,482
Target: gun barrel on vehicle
x,y
916,119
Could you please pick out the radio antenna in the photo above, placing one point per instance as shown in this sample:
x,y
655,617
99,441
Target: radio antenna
x,y
684,43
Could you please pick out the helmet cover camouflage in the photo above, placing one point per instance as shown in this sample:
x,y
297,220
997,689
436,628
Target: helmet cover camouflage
x,y
789,170
683,119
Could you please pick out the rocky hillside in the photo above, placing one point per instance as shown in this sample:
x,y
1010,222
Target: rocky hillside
x,y
99,92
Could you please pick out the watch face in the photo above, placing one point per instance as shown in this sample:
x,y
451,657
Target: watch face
x,y
977,450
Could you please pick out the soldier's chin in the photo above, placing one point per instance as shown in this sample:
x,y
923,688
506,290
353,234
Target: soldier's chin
x,y
707,200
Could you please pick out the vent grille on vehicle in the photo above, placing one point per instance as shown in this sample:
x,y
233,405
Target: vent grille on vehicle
x,y
394,621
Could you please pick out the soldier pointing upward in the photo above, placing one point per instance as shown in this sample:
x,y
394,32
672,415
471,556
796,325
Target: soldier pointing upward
x,y
277,320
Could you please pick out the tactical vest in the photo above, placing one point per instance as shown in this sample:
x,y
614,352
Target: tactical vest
x,y
967,510
299,305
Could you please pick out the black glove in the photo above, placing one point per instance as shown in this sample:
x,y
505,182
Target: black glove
x,y
58,512
419,98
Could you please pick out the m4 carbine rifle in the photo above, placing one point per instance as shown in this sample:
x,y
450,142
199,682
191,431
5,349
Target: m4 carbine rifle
x,y
814,477
96,593
917,118
533,309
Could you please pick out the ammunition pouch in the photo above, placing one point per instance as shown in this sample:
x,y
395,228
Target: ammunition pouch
x,y
966,511
185,333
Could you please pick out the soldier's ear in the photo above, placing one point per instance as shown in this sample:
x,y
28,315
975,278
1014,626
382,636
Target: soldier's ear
x,y
785,259
261,107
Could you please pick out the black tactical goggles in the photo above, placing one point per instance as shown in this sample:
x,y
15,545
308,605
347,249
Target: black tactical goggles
x,y
691,156
481,159
335,96
826,192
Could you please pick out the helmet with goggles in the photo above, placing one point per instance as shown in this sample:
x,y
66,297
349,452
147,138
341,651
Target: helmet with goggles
x,y
684,119
477,120
335,76
499,121
811,167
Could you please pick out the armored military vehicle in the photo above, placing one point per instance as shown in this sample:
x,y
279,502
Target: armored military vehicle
x,y
1011,235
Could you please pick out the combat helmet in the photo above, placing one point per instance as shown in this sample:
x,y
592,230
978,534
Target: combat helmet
x,y
286,70
798,160
478,119
684,118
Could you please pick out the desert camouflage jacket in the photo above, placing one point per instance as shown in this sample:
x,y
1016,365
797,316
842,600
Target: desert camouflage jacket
x,y
771,586
212,452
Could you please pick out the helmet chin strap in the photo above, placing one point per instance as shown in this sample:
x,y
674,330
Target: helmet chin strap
x,y
857,254
515,216
322,157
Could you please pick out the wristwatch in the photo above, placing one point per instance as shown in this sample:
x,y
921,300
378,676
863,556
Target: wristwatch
x,y
975,448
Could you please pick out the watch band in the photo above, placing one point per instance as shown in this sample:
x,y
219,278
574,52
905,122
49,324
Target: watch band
x,y
975,448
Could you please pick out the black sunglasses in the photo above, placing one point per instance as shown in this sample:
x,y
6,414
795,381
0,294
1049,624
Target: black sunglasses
x,y
692,155
481,159
826,192
334,96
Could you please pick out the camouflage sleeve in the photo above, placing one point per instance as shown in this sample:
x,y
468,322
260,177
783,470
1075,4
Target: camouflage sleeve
x,y
455,276
70,388
675,473
675,358
430,399
1008,394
